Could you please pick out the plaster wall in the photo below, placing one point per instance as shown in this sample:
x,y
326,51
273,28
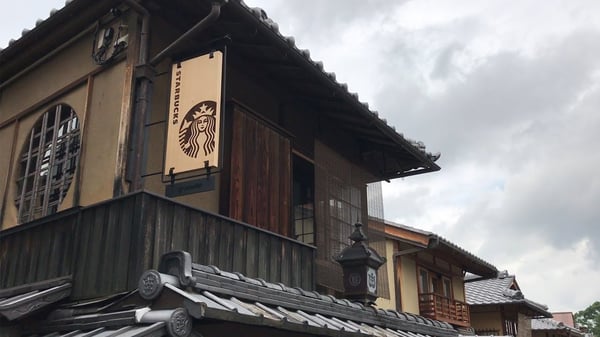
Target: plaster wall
x,y
96,94
408,284
389,303
487,321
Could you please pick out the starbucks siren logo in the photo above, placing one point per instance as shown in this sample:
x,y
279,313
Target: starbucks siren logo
x,y
197,130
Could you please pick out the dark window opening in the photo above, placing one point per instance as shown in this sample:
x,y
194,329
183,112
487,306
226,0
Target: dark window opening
x,y
303,200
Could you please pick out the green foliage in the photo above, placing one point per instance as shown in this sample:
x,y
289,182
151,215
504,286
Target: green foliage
x,y
590,318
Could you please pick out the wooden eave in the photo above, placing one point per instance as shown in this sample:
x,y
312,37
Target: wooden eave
x,y
441,248
388,154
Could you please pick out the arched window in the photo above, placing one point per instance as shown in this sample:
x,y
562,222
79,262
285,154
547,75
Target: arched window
x,y
47,163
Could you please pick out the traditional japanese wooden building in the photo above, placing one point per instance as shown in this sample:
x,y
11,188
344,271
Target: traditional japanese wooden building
x,y
426,274
135,128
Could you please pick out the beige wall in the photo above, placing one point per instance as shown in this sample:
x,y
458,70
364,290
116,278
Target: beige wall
x,y
389,303
71,77
458,288
408,283
487,321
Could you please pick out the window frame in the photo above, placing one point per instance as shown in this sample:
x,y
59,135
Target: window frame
x,y
47,163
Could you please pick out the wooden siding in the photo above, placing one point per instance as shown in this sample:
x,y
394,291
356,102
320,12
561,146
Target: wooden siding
x,y
107,246
260,184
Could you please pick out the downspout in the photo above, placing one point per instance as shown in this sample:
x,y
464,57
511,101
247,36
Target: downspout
x,y
144,77
143,86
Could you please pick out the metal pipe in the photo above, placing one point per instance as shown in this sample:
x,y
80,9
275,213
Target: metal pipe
x,y
145,32
215,11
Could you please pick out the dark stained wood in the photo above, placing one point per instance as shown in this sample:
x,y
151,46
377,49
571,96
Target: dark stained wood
x,y
106,247
237,168
260,176
285,189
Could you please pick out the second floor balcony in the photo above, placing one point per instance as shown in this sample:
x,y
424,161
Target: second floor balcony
x,y
439,307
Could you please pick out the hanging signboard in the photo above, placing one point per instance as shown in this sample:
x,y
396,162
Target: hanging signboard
x,y
194,125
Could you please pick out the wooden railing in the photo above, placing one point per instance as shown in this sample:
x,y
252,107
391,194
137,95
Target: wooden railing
x,y
106,247
436,306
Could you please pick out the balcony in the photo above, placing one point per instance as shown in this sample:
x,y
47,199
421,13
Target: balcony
x,y
436,306
105,247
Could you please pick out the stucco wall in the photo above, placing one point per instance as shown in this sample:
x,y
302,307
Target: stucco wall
x,y
71,77
408,284
389,303
487,321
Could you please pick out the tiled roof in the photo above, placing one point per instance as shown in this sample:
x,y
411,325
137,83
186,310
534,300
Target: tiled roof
x,y
262,17
272,25
208,294
437,240
22,301
544,324
498,291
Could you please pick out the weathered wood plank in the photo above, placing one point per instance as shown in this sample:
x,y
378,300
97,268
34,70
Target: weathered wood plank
x,y
107,246
285,190
264,249
236,203
261,160
252,245
251,172
225,260
274,196
240,241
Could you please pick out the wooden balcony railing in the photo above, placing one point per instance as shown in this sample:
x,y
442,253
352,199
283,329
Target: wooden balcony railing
x,y
445,309
105,247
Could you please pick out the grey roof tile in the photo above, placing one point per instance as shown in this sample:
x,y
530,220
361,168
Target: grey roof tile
x,y
500,290
544,324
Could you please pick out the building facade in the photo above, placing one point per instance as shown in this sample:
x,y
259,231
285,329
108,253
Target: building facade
x,y
135,128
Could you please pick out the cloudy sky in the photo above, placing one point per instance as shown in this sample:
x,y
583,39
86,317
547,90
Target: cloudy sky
x,y
507,91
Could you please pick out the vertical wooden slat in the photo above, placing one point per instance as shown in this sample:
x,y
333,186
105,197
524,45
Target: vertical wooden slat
x,y
250,174
264,249
112,243
274,195
196,236
179,225
225,259
275,259
239,249
252,246
123,245
296,267
285,190
212,245
236,204
261,157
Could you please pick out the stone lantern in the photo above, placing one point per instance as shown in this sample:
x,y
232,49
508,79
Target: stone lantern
x,y
360,264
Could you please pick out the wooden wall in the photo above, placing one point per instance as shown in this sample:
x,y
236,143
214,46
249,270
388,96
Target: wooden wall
x,y
107,246
260,183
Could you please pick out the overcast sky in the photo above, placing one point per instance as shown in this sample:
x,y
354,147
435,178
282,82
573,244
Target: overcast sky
x,y
507,91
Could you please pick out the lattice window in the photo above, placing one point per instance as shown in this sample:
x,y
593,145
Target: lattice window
x,y
47,163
